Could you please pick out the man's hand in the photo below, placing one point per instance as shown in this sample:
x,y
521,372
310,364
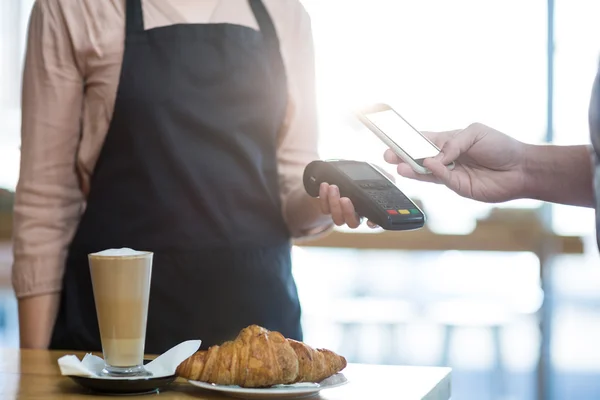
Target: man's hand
x,y
490,166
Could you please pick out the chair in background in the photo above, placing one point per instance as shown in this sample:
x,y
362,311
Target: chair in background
x,y
503,230
359,302
387,316
483,291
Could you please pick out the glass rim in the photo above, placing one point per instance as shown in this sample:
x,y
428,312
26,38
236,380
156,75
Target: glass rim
x,y
140,254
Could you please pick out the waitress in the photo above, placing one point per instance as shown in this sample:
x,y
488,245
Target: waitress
x,y
181,128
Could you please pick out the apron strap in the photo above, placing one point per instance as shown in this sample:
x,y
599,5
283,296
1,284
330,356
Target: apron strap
x,y
134,21
265,24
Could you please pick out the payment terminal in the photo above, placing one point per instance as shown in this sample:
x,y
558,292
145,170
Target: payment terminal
x,y
374,195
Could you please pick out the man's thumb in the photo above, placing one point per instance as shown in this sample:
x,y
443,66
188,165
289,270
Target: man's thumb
x,y
441,156
457,145
450,152
438,169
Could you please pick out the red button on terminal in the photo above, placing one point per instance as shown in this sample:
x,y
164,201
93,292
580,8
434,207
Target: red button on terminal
x,y
392,212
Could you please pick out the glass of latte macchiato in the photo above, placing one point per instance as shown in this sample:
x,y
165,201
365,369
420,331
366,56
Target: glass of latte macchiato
x,y
121,283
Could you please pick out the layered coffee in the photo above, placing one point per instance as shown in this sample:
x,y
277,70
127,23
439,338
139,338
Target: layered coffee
x,y
121,284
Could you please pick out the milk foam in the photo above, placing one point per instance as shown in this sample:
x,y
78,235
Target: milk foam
x,y
123,252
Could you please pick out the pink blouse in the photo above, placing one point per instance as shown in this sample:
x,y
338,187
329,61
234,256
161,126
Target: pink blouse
x,y
73,59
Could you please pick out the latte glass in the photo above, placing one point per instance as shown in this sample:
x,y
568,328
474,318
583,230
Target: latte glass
x,y
121,283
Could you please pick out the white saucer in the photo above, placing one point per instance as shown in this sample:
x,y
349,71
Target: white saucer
x,y
295,391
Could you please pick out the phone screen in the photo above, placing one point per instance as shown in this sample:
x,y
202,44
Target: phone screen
x,y
404,135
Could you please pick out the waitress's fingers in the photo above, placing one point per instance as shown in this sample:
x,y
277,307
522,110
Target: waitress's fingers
x,y
372,225
335,207
350,216
324,197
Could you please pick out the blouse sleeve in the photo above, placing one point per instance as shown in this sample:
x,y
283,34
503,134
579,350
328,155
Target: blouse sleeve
x,y
48,201
298,144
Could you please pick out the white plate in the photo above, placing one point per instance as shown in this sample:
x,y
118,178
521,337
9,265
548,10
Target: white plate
x,y
295,391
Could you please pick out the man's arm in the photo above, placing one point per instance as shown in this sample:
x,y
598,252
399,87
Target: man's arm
x,y
559,174
493,167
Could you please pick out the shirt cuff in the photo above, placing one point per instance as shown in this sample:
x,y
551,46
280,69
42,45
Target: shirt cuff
x,y
314,234
37,275
303,216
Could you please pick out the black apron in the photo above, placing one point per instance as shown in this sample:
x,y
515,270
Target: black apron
x,y
188,170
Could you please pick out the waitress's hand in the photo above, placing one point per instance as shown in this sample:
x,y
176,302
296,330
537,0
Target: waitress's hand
x,y
340,208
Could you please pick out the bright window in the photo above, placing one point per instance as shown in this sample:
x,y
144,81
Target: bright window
x,y
14,15
442,64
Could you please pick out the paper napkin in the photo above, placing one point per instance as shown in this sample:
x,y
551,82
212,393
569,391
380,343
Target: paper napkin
x,y
163,365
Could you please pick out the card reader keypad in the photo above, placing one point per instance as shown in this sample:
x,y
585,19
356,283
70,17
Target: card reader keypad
x,y
394,201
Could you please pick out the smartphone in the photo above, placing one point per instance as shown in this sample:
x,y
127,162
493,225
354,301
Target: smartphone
x,y
396,132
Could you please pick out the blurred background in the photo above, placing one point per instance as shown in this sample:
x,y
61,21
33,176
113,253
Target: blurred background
x,y
508,296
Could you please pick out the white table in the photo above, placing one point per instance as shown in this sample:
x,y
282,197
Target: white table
x,y
391,382
34,374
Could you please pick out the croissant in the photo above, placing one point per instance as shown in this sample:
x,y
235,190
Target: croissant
x,y
261,358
